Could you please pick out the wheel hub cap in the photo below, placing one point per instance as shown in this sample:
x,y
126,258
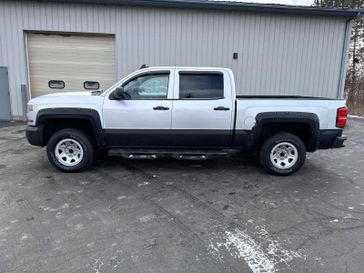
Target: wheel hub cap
x,y
284,155
69,152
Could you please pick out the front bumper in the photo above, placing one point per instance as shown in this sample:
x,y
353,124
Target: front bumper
x,y
331,139
34,135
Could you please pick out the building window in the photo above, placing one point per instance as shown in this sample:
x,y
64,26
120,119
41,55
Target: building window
x,y
56,84
91,85
201,86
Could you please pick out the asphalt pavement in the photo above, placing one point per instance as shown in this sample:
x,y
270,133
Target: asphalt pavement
x,y
167,216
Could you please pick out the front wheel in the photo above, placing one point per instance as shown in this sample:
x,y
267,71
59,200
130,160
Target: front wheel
x,y
283,154
70,150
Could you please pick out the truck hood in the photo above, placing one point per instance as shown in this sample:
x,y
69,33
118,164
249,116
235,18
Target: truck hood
x,y
61,94
75,93
83,99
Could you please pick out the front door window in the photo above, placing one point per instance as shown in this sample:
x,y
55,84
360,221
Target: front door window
x,y
147,87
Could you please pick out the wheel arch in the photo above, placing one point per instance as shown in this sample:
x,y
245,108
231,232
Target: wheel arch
x,y
52,120
304,125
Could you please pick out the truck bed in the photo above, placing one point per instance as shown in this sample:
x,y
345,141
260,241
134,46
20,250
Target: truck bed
x,y
248,107
284,97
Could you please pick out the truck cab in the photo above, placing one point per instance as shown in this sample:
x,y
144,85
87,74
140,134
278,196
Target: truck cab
x,y
175,107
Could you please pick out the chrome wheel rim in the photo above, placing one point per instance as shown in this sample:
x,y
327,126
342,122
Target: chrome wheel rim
x,y
69,152
284,155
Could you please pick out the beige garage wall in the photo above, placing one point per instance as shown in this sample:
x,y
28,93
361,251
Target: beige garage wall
x,y
73,59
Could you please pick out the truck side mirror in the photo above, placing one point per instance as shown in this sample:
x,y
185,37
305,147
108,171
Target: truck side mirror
x,y
118,94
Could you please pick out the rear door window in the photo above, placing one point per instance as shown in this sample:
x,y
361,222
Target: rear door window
x,y
201,85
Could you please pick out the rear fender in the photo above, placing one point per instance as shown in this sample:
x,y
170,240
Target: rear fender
x,y
284,119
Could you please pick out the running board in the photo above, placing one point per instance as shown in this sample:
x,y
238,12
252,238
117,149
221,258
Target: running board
x,y
178,154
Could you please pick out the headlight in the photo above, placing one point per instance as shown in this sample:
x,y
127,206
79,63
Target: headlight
x,y
29,107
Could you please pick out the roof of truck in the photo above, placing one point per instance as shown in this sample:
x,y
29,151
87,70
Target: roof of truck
x,y
225,5
184,67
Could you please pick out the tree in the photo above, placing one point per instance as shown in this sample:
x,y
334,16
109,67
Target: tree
x,y
354,83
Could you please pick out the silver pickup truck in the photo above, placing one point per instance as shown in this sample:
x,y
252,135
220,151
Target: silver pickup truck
x,y
186,113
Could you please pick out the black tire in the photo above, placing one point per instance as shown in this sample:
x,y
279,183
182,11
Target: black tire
x,y
270,143
82,138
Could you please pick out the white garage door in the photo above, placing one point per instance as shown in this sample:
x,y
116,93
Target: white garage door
x,y
59,63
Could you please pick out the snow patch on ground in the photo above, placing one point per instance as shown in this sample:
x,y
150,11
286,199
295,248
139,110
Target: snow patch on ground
x,y
261,257
147,218
276,250
143,184
214,250
241,245
97,265
121,197
79,226
64,206
355,116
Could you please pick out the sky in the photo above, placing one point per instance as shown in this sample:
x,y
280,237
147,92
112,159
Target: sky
x,y
285,2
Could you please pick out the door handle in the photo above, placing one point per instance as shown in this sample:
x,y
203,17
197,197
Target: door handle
x,y
160,108
221,108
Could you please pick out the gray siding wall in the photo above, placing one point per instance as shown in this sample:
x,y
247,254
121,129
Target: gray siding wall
x,y
278,54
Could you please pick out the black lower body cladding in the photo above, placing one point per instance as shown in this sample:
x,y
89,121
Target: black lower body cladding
x,y
243,139
34,135
168,138
331,139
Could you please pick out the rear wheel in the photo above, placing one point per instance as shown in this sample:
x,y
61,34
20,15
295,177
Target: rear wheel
x,y
70,150
283,154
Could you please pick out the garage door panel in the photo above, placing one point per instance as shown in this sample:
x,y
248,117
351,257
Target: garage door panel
x,y
71,58
77,62
82,75
63,69
68,52
78,40
70,86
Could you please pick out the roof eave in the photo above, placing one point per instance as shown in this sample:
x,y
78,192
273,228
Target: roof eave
x,y
221,5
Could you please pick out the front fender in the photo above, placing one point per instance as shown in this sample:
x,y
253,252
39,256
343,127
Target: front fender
x,y
91,115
